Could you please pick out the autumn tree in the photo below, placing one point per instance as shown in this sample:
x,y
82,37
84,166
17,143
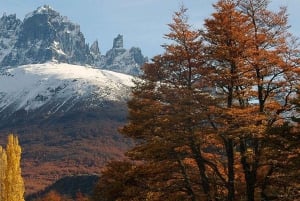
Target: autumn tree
x,y
12,184
211,115
121,180
253,67
3,166
273,61
167,111
225,49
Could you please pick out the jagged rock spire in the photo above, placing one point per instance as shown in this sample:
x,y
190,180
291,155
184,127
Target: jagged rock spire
x,y
118,42
95,48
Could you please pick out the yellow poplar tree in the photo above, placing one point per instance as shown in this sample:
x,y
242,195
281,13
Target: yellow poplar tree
x,y
12,184
3,165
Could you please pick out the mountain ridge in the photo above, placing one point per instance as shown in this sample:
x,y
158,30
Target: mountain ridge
x,y
44,35
48,79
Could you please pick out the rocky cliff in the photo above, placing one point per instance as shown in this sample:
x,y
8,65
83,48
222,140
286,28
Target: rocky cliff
x,y
44,35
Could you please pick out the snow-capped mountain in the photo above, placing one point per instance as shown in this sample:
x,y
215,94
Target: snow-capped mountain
x,y
57,88
44,35
61,96
66,117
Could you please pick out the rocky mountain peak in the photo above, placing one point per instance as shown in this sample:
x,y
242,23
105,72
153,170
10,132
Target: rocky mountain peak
x,y
123,60
9,27
118,42
44,35
95,48
43,10
9,23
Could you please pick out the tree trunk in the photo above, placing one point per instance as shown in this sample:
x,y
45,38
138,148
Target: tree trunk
x,y
250,170
201,165
230,164
250,182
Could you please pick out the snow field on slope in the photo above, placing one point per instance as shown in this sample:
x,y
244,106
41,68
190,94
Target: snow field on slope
x,y
31,86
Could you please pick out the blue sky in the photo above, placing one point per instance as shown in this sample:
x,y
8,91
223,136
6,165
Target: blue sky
x,y
142,22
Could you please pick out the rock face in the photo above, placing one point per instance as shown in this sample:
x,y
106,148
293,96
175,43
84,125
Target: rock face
x,y
45,35
118,42
94,49
122,60
9,27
